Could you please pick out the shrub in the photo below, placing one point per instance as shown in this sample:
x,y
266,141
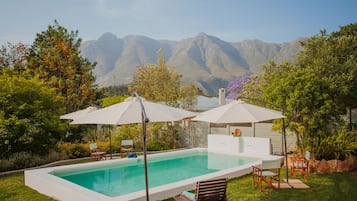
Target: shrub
x,y
75,150
27,160
338,146
155,145
105,146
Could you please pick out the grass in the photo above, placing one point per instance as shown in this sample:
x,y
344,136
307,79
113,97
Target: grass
x,y
336,186
12,188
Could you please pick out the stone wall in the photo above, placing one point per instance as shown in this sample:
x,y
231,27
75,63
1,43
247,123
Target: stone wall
x,y
331,166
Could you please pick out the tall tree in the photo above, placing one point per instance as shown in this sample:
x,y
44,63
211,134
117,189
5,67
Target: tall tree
x,y
13,56
304,98
188,94
157,82
29,115
314,91
55,57
333,58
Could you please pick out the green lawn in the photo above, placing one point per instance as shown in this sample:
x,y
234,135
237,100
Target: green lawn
x,y
337,186
12,188
323,187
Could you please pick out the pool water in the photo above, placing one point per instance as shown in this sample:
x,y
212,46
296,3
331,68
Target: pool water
x,y
116,180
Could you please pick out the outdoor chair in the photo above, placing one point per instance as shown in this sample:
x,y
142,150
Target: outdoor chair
x,y
209,190
269,171
126,147
96,153
300,164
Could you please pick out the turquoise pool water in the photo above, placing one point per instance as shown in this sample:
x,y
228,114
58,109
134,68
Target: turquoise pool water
x,y
116,180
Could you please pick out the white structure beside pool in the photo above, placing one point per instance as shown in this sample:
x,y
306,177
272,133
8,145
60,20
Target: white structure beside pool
x,y
44,180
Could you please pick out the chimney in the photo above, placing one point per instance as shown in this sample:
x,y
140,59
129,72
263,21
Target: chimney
x,y
222,96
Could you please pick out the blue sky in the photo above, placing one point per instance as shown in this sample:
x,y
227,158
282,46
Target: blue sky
x,y
230,20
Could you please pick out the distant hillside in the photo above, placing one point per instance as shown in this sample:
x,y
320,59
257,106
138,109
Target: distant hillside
x,y
205,60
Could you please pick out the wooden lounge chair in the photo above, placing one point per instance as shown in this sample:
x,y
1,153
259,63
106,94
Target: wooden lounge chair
x,y
209,190
96,153
126,147
300,164
269,171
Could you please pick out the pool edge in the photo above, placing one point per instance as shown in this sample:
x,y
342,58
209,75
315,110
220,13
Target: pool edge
x,y
44,182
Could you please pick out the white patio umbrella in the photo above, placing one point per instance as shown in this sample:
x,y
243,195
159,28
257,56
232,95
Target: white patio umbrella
x,y
241,112
134,110
129,112
79,113
238,112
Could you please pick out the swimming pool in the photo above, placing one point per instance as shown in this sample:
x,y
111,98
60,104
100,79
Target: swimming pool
x,y
123,179
116,180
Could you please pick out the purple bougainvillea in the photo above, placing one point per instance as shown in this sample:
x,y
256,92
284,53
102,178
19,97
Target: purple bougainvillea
x,y
235,87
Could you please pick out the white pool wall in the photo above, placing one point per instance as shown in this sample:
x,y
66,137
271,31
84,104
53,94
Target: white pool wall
x,y
245,145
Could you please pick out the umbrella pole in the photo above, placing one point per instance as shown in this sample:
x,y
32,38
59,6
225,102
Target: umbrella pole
x,y
286,155
110,142
144,120
145,158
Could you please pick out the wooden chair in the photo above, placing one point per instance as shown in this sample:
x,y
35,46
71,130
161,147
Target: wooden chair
x,y
209,190
96,153
269,171
126,147
300,164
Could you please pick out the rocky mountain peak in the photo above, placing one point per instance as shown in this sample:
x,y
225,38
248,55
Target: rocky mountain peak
x,y
203,59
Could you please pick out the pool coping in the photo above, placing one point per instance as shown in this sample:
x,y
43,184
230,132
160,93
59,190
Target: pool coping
x,y
43,181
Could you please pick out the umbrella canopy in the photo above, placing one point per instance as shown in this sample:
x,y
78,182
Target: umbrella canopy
x,y
241,112
238,112
134,110
129,112
79,113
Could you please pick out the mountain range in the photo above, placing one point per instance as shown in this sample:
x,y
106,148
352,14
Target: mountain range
x,y
205,60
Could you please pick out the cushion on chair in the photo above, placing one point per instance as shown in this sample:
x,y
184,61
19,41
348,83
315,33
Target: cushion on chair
x,y
266,173
132,155
299,165
189,195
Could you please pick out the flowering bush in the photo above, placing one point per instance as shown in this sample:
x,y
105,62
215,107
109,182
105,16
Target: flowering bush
x,y
235,87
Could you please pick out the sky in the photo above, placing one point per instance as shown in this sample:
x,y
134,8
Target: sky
x,y
274,21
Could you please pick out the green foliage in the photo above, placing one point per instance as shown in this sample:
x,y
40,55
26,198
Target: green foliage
x,y
333,59
160,136
111,100
157,82
121,90
188,94
13,57
55,58
314,91
339,146
156,145
28,160
74,150
129,131
29,115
